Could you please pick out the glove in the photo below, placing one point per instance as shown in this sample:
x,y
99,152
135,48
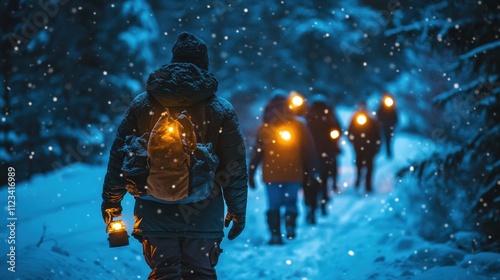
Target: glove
x,y
110,210
238,225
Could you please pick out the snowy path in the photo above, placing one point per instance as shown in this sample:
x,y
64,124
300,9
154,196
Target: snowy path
x,y
352,242
361,238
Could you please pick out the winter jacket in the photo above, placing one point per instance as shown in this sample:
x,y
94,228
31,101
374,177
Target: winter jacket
x,y
364,137
183,85
321,120
387,116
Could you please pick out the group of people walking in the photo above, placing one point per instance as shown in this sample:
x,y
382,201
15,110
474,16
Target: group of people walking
x,y
297,146
180,152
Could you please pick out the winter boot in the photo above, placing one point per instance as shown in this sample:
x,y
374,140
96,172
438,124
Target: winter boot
x,y
323,208
274,222
310,216
290,224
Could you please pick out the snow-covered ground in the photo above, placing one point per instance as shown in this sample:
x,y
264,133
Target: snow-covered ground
x,y
59,233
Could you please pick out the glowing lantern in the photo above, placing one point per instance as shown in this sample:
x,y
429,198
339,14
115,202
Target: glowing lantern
x,y
388,101
334,134
361,119
296,100
116,225
117,234
168,132
285,135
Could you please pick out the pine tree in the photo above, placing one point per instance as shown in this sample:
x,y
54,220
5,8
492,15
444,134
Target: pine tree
x,y
465,178
68,77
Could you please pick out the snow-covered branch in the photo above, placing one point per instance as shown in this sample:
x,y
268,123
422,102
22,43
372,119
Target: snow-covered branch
x,y
480,49
443,97
418,25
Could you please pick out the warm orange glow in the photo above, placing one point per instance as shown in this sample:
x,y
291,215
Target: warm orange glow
x,y
361,119
116,226
334,134
285,135
388,101
170,129
296,100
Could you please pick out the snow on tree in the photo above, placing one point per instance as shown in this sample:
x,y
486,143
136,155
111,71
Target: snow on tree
x,y
66,66
461,182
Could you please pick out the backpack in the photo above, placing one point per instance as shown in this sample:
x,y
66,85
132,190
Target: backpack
x,y
168,164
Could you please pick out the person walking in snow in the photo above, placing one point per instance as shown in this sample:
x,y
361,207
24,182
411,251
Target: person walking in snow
x,y
388,118
183,240
365,137
325,130
285,150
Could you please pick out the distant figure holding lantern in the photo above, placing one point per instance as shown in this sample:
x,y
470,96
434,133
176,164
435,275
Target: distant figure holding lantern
x,y
365,137
284,149
388,118
326,131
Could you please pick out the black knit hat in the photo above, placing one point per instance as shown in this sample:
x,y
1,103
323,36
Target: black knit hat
x,y
189,48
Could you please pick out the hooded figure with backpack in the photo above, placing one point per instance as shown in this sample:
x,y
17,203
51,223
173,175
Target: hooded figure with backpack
x,y
285,150
179,150
326,131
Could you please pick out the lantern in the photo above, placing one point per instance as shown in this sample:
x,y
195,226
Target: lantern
x,y
296,100
388,101
285,135
117,234
334,134
361,119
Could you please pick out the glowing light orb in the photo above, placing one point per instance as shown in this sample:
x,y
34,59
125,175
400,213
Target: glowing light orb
x,y
334,134
361,119
388,101
297,101
285,135
117,225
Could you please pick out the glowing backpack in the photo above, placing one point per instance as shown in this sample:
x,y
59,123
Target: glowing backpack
x,y
177,169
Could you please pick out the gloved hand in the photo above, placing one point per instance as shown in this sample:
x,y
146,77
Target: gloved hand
x,y
238,225
110,210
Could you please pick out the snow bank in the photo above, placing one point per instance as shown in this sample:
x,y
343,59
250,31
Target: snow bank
x,y
60,233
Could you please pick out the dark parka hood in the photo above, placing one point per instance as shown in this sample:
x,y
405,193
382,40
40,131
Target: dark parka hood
x,y
181,84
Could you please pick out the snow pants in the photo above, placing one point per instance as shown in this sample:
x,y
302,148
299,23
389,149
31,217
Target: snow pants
x,y
363,161
283,194
313,189
388,133
176,257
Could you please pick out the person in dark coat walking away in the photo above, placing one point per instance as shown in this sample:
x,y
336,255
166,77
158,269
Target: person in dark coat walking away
x,y
325,130
365,137
387,117
183,240
285,150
